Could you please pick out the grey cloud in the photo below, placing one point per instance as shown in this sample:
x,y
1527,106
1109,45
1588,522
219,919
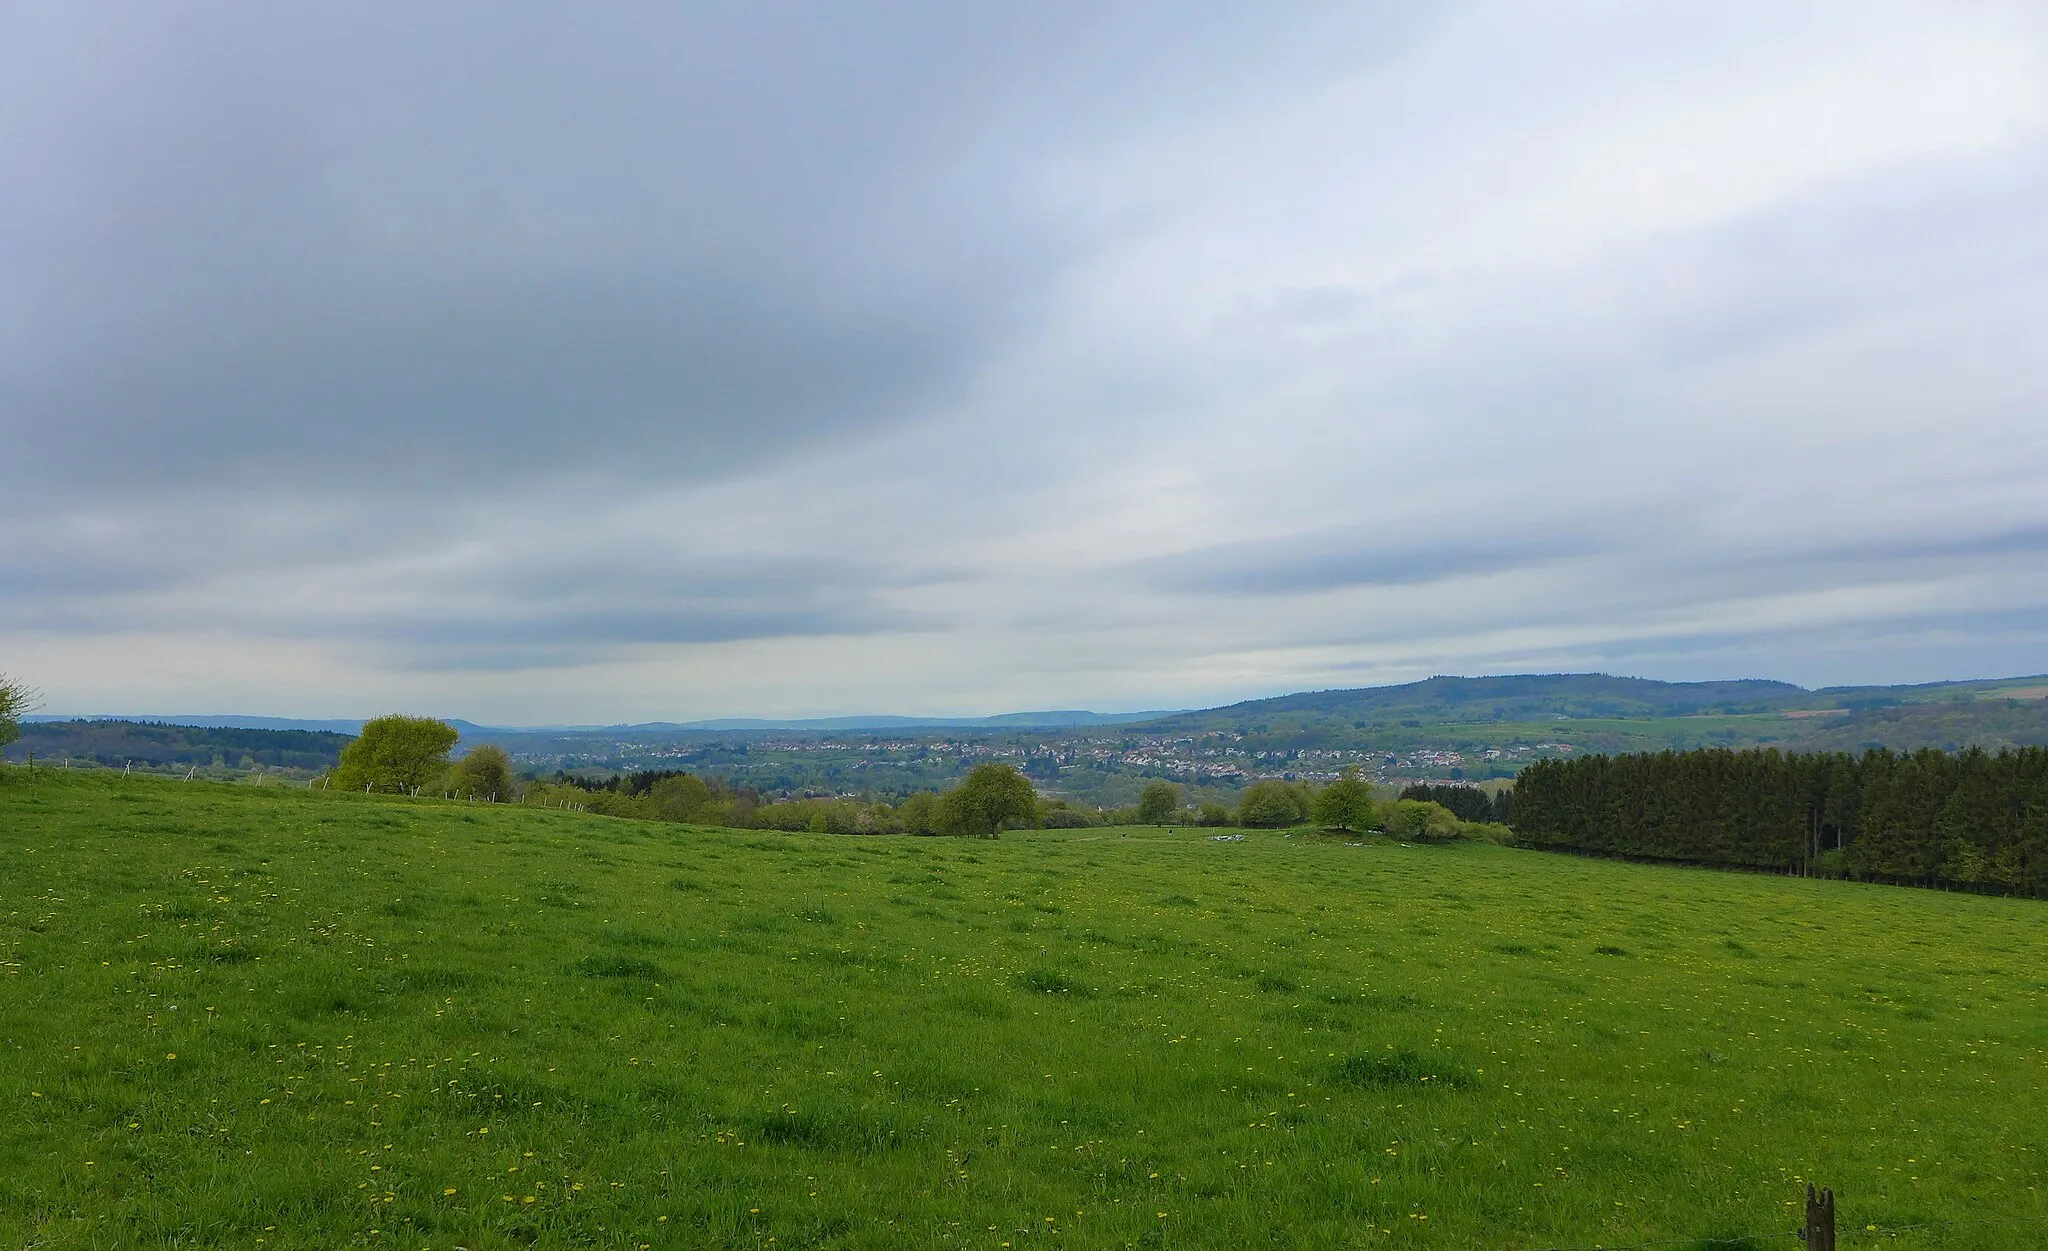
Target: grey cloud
x,y
1324,562
1790,564
569,638
491,337
448,390
385,248
2018,541
514,603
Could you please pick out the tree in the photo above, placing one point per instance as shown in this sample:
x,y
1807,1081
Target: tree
x,y
681,797
15,700
987,797
1269,804
485,772
1346,804
1159,804
395,754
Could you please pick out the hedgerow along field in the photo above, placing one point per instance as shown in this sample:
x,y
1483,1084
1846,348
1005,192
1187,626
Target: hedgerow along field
x,y
250,1017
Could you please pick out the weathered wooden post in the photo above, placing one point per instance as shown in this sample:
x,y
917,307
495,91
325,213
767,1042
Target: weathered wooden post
x,y
1820,1220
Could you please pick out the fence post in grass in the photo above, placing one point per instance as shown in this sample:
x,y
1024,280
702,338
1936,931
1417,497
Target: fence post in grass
x,y
1820,1219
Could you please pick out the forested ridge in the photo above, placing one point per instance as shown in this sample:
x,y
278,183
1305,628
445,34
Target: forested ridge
x,y
1928,817
157,744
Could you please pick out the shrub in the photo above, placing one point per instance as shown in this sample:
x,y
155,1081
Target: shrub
x,y
484,772
1415,821
919,814
1270,804
1060,817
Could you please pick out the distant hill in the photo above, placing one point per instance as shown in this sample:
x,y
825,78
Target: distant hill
x,y
1518,697
151,744
1493,725
1056,720
342,725
207,721
1990,723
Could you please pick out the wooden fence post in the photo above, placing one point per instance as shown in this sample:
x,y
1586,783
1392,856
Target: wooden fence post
x,y
1820,1220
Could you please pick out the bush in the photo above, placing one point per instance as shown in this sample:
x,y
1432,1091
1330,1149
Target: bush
x,y
1488,832
919,814
1413,820
1058,816
1270,805
485,772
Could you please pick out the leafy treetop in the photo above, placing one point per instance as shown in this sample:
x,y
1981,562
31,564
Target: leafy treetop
x,y
15,699
396,754
987,798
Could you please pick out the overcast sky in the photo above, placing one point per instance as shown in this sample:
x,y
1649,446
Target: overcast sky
x,y
623,362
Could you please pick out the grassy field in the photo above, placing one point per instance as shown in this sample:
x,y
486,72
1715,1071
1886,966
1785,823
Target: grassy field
x,y
245,1017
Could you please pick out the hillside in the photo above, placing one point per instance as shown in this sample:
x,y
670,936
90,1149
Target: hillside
x,y
1990,723
1519,697
151,744
231,1013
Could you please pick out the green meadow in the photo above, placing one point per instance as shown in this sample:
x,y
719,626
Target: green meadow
x,y
258,1017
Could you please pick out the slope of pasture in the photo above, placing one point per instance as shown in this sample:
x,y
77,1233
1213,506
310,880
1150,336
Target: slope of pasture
x,y
233,1016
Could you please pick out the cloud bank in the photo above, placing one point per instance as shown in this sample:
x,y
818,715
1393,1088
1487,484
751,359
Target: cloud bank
x,y
659,364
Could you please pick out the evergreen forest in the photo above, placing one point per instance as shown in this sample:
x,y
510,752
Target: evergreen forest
x,y
1970,819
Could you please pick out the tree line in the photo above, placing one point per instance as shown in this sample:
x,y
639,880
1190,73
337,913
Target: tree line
x,y
1972,818
151,744
411,755
991,798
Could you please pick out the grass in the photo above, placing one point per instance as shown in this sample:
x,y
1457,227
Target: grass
x,y
247,1017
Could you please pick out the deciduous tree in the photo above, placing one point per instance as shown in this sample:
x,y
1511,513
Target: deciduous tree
x,y
15,701
485,772
1270,804
986,798
395,754
1160,803
1346,804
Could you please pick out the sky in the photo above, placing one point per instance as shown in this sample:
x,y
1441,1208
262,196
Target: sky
x,y
622,362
